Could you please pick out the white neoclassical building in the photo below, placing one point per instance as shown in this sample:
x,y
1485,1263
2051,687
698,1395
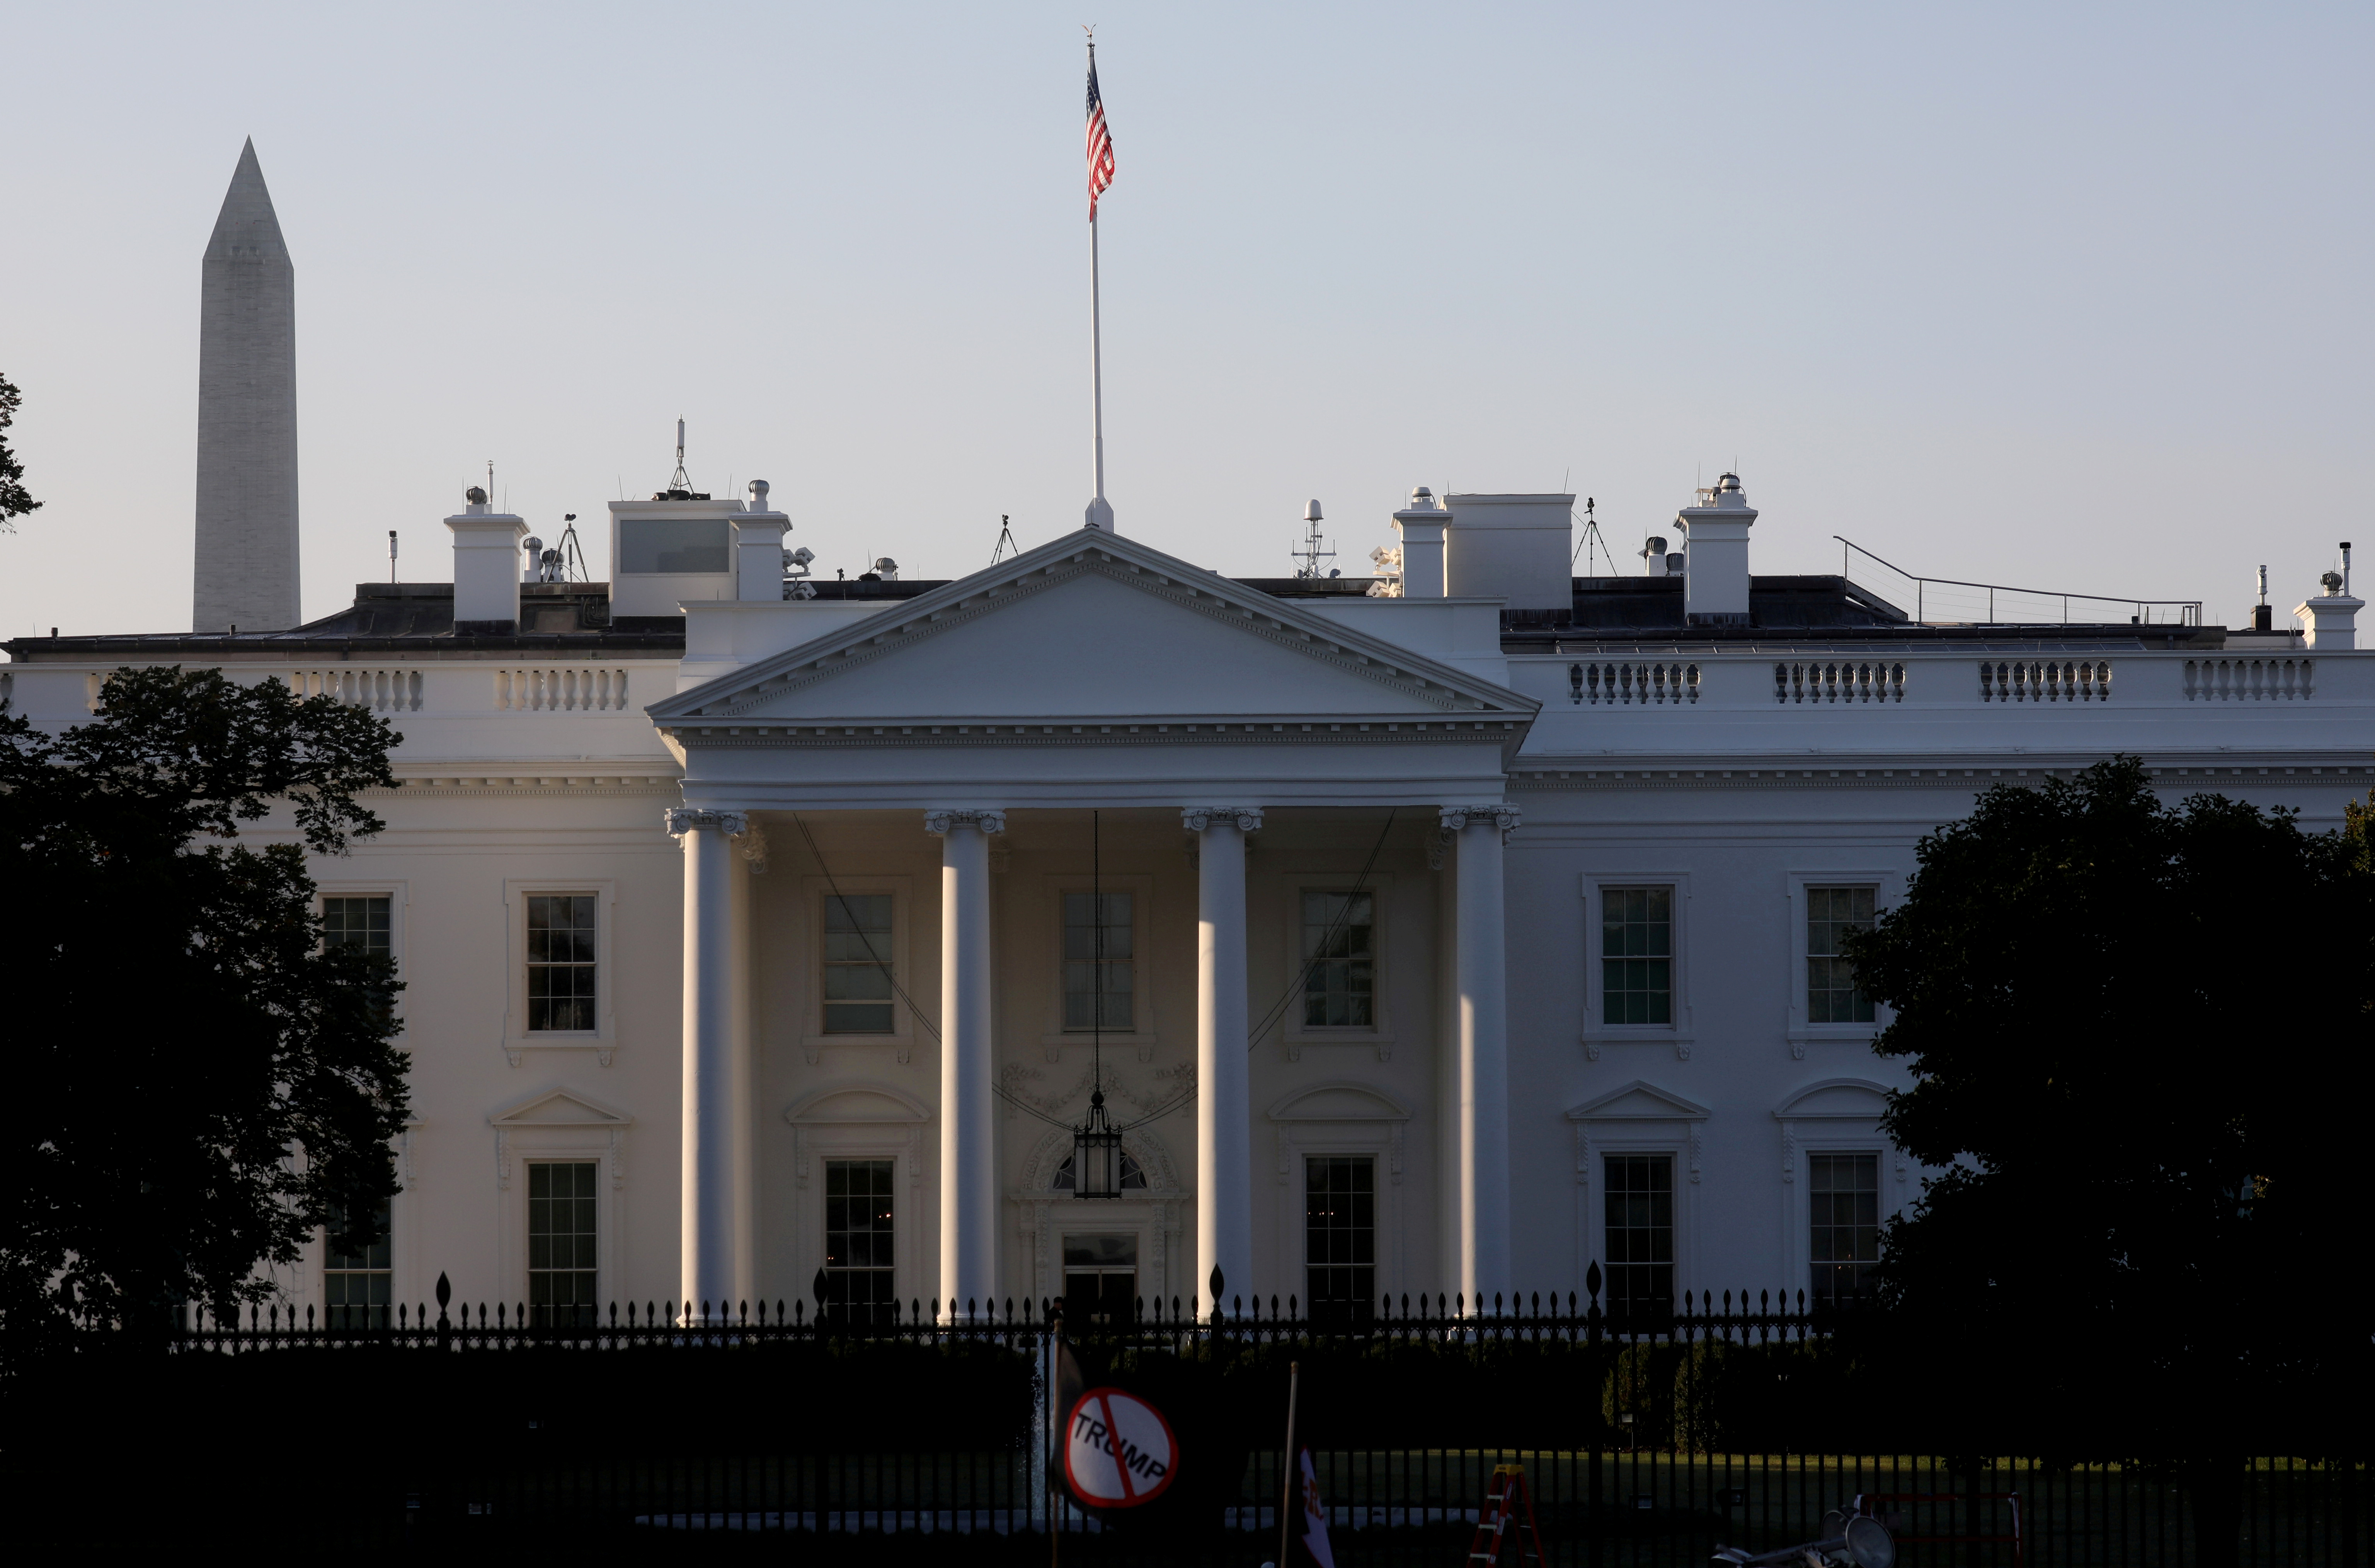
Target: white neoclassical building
x,y
1445,932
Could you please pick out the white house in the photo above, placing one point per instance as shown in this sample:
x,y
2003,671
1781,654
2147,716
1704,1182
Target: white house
x,y
1450,931
1420,943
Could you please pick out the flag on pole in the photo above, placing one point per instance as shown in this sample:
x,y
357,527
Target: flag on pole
x,y
1312,1522
1101,157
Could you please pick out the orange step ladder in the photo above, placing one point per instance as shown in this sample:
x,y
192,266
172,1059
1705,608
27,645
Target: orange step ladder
x,y
1496,1524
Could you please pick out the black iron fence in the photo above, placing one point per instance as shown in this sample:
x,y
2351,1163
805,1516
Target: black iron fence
x,y
1644,1439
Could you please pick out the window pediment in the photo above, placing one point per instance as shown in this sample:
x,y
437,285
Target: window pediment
x,y
559,1107
1639,1100
1339,1101
852,1103
1852,1098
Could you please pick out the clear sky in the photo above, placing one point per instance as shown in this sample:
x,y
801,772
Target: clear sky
x,y
2059,294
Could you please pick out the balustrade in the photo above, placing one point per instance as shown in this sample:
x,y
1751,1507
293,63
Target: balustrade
x,y
381,690
2248,680
565,688
1633,682
1838,680
2045,680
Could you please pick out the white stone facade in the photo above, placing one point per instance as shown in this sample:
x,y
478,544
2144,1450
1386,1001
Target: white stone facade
x,y
1239,749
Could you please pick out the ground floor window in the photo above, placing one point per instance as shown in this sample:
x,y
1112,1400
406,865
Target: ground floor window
x,y
358,1277
560,1272
1339,1228
1845,1192
1641,1225
1100,1282
859,1277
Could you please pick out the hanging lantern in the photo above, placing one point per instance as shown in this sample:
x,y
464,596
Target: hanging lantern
x,y
1096,1154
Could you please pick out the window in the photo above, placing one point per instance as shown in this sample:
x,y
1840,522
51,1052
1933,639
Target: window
x,y
1641,1220
1340,972
1637,955
363,922
561,962
1845,1193
1099,1281
1339,1210
1133,1175
1098,964
357,923
1831,993
358,1279
858,1276
674,544
561,1276
857,964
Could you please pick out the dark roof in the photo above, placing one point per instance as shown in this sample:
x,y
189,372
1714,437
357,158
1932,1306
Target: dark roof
x,y
574,620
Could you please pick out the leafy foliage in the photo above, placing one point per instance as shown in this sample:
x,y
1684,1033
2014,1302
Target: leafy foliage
x,y
201,1083
15,499
2139,1036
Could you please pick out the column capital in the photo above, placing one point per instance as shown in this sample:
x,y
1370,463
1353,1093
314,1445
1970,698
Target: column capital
x,y
939,822
1196,819
682,819
1504,817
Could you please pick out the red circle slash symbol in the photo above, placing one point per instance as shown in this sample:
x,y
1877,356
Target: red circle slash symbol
x,y
1118,1450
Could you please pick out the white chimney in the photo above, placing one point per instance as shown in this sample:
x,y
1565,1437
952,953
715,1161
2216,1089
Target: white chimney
x,y
2331,620
1420,524
759,549
1715,568
1517,548
486,568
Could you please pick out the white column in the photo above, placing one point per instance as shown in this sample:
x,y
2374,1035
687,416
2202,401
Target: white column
x,y
1225,1178
1482,1074
712,1205
968,1153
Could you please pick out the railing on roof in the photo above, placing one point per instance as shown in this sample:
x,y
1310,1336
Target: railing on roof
x,y
2006,605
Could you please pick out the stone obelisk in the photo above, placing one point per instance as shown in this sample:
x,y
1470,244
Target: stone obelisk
x,y
247,417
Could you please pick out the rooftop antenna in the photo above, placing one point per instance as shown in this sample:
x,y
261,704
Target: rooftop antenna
x,y
1312,550
676,481
491,478
1005,540
1592,544
567,560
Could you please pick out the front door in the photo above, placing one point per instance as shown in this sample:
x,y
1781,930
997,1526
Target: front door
x,y
1100,1282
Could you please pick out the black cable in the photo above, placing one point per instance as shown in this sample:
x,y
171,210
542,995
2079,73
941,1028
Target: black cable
x,y
1278,1010
887,973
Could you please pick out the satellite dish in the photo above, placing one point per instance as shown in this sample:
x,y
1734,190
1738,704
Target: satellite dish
x,y
1869,1543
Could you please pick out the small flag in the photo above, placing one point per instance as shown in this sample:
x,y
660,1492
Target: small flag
x,y
1101,157
1311,1526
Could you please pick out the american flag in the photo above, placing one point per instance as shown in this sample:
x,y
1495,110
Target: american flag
x,y
1101,159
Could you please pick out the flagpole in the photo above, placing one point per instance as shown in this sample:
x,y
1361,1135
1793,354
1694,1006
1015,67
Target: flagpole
x,y
1100,512
1100,149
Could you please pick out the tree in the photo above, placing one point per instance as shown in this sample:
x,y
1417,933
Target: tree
x,y
2138,1034
15,499
198,1080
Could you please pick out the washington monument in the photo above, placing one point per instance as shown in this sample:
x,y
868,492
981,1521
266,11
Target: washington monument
x,y
247,417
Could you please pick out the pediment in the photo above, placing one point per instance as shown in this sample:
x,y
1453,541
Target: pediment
x,y
1639,1100
559,1108
1853,1099
874,1103
1345,1102
1093,626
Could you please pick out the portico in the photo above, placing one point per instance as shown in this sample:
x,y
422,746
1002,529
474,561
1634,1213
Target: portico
x,y
993,715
